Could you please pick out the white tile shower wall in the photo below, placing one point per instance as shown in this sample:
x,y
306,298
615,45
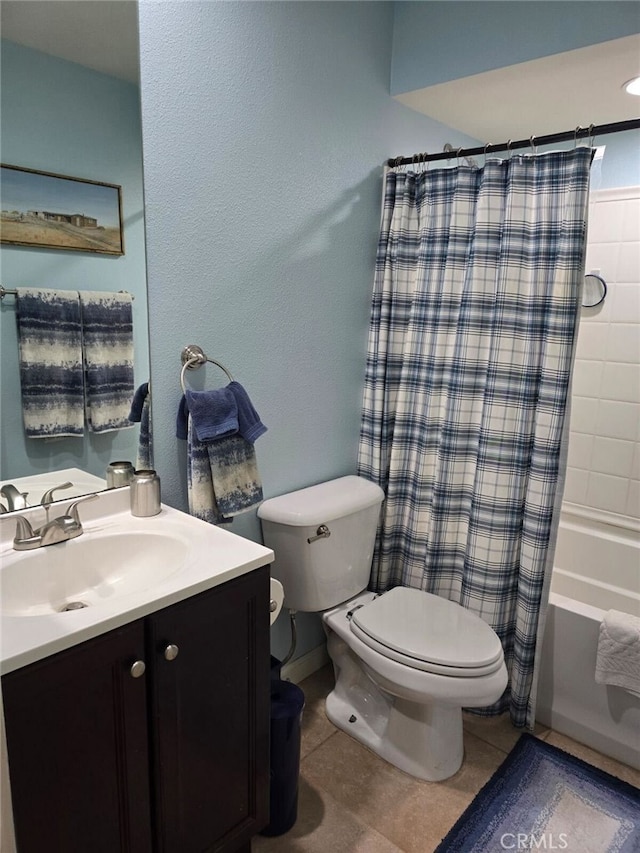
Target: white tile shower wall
x,y
604,447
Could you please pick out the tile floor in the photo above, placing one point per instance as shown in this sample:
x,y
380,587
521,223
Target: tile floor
x,y
351,801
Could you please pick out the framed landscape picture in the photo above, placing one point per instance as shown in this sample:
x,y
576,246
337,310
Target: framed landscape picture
x,y
60,212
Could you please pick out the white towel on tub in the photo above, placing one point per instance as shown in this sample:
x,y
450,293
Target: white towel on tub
x,y
618,659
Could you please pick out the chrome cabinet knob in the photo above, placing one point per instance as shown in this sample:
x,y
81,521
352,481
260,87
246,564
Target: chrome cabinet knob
x,y
137,669
171,652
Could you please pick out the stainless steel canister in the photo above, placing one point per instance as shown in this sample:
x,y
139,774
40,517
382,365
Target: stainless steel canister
x,y
119,474
145,493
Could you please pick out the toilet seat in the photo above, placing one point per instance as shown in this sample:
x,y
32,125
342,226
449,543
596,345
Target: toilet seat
x,y
428,633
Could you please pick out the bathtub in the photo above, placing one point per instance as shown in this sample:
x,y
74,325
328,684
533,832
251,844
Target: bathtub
x,y
596,568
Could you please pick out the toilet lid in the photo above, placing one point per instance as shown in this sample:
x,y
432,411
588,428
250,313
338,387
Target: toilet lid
x,y
427,628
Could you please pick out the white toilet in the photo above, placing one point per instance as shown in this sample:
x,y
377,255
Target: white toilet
x,y
406,662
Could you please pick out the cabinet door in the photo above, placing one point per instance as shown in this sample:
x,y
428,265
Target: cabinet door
x,y
211,717
77,744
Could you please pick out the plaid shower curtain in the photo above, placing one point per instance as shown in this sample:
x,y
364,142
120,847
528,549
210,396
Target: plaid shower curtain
x,y
475,307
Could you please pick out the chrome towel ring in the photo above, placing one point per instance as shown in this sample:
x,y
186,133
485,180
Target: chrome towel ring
x,y
193,356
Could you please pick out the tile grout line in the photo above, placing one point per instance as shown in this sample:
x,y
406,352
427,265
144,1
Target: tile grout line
x,y
318,745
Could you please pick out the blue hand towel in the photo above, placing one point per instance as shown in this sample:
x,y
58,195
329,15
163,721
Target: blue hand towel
x,y
50,350
214,413
222,475
249,424
182,419
107,333
139,399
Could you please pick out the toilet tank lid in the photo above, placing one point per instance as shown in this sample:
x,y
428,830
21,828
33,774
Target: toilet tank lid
x,y
322,503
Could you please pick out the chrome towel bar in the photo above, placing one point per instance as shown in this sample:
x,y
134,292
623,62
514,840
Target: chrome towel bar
x,y
193,356
4,291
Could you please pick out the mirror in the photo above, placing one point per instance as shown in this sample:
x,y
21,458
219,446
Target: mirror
x,y
595,290
70,106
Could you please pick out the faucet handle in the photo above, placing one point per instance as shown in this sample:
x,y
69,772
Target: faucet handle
x,y
72,512
15,498
47,498
24,531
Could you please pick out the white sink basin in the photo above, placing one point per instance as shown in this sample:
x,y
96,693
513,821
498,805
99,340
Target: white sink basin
x,y
89,570
122,568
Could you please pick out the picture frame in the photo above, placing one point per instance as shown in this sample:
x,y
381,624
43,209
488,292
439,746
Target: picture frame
x,y
52,211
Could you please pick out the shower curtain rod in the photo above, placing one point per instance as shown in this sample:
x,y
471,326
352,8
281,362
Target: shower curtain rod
x,y
533,141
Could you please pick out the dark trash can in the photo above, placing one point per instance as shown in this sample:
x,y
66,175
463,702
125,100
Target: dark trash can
x,y
287,703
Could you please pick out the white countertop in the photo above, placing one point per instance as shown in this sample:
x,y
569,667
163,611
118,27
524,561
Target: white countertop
x,y
215,555
35,485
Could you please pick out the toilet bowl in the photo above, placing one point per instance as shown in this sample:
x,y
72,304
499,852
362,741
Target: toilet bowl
x,y
406,662
407,710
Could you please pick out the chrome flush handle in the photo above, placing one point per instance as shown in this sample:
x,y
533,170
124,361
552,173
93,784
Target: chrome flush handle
x,y
322,532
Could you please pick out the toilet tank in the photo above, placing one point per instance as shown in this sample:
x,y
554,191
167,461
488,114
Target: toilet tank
x,y
330,569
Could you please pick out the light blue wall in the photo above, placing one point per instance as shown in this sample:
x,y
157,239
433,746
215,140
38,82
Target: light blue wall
x,y
60,117
265,129
438,41
434,42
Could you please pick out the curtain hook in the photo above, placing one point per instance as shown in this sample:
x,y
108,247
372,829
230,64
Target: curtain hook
x,y
509,152
591,136
458,156
575,135
532,144
486,148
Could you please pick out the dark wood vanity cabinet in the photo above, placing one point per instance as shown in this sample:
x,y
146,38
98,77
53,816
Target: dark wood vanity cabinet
x,y
210,717
175,759
76,727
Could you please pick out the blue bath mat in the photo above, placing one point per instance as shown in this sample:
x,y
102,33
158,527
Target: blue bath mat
x,y
542,798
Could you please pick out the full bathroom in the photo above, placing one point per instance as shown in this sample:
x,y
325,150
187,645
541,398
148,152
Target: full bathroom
x,y
250,143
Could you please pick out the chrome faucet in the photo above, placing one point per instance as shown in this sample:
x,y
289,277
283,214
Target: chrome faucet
x,y
61,529
15,499
47,498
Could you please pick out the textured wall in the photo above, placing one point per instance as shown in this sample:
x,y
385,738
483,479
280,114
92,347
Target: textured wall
x,y
265,127
438,41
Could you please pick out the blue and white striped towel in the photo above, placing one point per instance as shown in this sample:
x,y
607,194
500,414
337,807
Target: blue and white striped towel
x,y
107,330
50,350
223,479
